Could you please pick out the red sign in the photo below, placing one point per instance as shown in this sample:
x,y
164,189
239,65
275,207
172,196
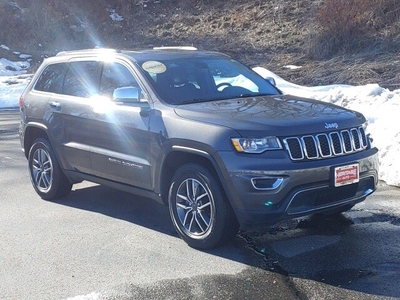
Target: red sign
x,y
346,175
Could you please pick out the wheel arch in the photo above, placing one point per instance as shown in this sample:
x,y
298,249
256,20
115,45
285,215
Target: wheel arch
x,y
32,132
179,156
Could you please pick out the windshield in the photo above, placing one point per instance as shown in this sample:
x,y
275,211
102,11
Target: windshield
x,y
199,79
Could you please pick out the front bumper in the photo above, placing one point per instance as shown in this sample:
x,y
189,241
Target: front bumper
x,y
264,190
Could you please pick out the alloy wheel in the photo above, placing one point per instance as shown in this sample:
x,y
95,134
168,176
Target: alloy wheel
x,y
42,170
194,207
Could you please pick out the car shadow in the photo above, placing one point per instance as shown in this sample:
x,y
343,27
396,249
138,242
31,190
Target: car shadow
x,y
147,213
121,205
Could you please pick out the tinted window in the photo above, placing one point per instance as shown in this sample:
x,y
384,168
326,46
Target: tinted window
x,y
51,78
82,79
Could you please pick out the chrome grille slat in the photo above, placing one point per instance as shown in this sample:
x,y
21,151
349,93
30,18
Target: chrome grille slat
x,y
310,147
363,137
325,145
336,142
356,139
347,143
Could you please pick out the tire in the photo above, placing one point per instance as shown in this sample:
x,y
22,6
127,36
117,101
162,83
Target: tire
x,y
46,175
199,209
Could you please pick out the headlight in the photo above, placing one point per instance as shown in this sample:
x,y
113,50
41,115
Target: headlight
x,y
256,145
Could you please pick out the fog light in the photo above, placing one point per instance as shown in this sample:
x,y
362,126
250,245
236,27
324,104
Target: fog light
x,y
266,183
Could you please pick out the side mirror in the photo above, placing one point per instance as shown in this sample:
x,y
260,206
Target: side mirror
x,y
271,80
126,95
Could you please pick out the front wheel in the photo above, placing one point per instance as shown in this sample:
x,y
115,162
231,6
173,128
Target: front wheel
x,y
199,209
46,175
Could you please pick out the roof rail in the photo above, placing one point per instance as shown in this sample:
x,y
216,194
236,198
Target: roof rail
x,y
176,48
87,51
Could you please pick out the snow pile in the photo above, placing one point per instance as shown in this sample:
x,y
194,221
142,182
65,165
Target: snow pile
x,y
11,88
13,78
380,106
8,67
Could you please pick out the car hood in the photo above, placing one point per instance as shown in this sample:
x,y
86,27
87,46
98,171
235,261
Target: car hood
x,y
276,115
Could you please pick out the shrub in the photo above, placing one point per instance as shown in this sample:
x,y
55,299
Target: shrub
x,y
344,25
386,12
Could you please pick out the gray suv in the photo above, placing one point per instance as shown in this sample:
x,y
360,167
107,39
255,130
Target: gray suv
x,y
197,131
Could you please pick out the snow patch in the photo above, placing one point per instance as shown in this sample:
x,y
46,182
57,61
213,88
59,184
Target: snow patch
x,y
115,16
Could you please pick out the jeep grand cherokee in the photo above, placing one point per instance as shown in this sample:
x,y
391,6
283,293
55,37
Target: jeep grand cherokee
x,y
197,131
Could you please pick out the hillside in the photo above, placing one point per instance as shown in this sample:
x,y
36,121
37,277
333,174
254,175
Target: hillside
x,y
272,34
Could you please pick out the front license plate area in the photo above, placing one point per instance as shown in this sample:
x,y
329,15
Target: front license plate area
x,y
345,175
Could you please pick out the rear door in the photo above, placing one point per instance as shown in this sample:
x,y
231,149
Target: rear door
x,y
81,83
67,86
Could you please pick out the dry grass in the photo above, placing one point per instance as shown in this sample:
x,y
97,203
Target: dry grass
x,y
267,33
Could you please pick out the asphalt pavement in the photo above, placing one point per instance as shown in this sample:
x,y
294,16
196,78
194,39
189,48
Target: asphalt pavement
x,y
99,243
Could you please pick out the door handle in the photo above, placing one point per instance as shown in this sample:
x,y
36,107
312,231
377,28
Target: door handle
x,y
98,113
56,105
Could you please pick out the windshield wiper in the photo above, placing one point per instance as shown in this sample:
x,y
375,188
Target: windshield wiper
x,y
252,95
245,96
198,100
265,94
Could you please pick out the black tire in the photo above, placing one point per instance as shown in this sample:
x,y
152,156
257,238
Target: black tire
x,y
199,210
46,175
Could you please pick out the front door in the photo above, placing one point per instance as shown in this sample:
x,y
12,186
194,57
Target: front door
x,y
121,148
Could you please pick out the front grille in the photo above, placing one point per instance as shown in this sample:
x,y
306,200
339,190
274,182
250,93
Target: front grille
x,y
326,145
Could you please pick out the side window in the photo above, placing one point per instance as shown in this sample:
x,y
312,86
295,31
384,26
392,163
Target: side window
x,y
81,79
114,76
51,78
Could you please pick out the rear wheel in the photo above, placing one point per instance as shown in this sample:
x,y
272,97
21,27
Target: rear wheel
x,y
46,175
199,209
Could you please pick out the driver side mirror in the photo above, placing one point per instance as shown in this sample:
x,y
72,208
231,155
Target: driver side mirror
x,y
126,95
271,80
